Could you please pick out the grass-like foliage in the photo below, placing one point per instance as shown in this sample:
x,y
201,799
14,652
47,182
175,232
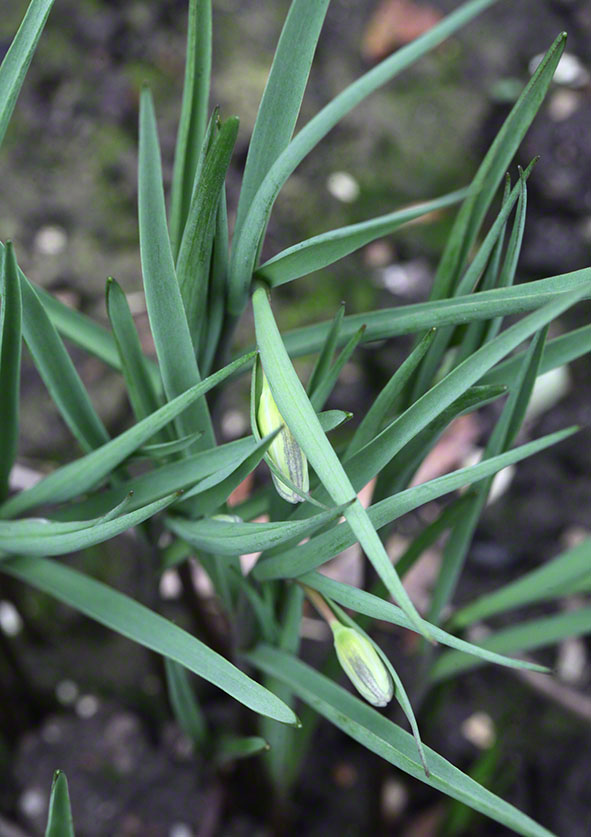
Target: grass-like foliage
x,y
198,280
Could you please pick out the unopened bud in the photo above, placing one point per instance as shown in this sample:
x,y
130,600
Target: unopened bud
x,y
362,665
284,451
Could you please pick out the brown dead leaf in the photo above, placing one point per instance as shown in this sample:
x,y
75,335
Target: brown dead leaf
x,y
394,23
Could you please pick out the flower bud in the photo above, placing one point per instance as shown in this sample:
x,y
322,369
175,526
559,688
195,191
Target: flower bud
x,y
362,665
284,451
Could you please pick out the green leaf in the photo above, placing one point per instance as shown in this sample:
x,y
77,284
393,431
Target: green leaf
x,y
331,419
229,748
258,204
225,538
294,562
527,636
45,542
458,543
163,450
491,171
59,817
557,352
300,416
409,319
326,384
140,388
88,471
193,118
374,731
136,622
377,608
373,420
542,584
173,476
163,298
10,366
325,356
282,98
20,53
194,259
327,248
217,287
184,703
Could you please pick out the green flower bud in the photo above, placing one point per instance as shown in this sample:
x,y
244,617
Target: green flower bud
x,y
285,453
362,665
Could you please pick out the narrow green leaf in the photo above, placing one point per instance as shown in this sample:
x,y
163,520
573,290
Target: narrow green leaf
x,y
217,287
542,584
327,383
258,205
88,471
46,543
163,298
59,817
327,248
136,622
374,731
409,319
229,748
331,419
501,438
225,538
300,416
58,372
375,607
282,98
184,703
325,356
140,388
373,420
193,118
491,171
294,562
162,450
527,636
173,476
20,53
194,259
10,366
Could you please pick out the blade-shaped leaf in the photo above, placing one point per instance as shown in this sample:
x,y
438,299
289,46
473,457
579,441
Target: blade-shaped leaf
x,y
133,620
193,118
140,389
82,475
10,365
375,607
59,817
408,319
374,731
184,703
282,98
544,583
240,538
327,248
194,259
163,298
259,205
492,170
20,53
58,372
326,353
300,416
46,543
318,550
526,636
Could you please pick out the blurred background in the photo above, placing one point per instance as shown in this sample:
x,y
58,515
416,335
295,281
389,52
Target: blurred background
x,y
68,175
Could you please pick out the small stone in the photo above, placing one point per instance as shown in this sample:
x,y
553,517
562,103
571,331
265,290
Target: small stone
x,y
343,186
479,729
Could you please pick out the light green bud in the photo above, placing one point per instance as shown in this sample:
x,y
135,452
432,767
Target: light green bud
x,y
362,665
286,454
